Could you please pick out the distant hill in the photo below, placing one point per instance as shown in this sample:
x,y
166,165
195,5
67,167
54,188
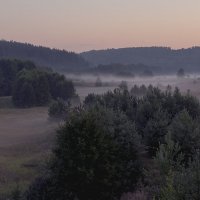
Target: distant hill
x,y
165,59
59,60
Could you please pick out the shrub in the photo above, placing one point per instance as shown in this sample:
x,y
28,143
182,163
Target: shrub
x,y
59,109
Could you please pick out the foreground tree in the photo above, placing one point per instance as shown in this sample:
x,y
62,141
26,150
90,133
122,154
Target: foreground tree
x,y
96,157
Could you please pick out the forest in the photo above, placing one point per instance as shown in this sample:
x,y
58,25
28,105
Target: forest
x,y
138,144
166,60
59,60
129,142
124,61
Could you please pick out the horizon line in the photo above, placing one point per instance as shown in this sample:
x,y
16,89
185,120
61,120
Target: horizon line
x,y
102,49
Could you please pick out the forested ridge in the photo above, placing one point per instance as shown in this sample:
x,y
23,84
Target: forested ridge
x,y
59,60
166,60
122,61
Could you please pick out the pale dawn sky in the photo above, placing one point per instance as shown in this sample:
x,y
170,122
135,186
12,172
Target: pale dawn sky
x,y
80,25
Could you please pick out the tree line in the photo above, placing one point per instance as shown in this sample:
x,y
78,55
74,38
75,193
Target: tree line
x,y
32,86
165,60
129,70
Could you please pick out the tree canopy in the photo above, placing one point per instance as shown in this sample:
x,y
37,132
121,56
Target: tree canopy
x,y
8,73
121,143
36,88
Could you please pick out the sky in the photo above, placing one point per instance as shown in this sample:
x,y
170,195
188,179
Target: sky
x,y
81,25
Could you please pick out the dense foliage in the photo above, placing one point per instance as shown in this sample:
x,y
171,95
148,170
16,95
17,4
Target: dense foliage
x,y
30,85
118,138
8,73
96,156
152,113
36,88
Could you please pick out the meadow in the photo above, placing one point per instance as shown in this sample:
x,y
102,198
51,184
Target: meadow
x,y
26,141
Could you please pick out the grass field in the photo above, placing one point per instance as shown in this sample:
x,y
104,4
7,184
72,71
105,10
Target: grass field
x,y
26,138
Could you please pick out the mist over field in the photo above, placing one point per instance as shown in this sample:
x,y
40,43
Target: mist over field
x,y
85,83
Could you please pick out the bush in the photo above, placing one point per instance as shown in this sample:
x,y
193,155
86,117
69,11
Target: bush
x,y
59,109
